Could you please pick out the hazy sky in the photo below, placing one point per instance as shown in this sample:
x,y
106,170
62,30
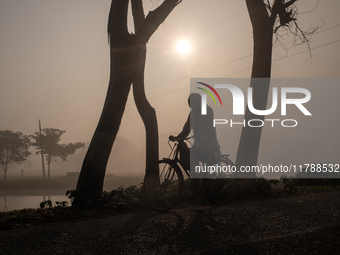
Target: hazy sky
x,y
54,60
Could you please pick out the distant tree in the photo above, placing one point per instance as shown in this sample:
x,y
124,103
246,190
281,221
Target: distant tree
x,y
13,148
48,143
267,18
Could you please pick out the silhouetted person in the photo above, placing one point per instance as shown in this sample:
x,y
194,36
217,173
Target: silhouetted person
x,y
205,146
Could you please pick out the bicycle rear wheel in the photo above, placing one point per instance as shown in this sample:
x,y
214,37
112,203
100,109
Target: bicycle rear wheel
x,y
163,185
220,190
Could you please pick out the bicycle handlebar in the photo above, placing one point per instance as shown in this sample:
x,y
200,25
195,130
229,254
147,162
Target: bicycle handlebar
x,y
174,139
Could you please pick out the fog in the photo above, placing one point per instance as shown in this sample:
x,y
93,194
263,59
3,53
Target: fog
x,y
54,66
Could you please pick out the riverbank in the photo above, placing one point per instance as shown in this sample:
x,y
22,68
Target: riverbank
x,y
38,186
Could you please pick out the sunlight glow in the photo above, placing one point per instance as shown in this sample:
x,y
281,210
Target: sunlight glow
x,y
183,46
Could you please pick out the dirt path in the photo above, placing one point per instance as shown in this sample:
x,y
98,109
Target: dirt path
x,y
295,225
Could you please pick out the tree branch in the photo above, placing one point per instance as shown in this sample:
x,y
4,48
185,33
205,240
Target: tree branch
x,y
289,3
280,6
154,19
258,13
137,13
277,6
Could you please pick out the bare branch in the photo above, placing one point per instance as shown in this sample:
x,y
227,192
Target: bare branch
x,y
289,3
268,6
137,13
302,35
279,8
154,19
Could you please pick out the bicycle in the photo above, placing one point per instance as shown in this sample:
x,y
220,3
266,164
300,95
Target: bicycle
x,y
164,182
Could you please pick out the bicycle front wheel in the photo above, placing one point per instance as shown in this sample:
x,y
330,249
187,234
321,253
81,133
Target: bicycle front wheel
x,y
163,185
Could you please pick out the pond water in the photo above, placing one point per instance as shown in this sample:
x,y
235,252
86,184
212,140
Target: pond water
x,y
15,202
19,194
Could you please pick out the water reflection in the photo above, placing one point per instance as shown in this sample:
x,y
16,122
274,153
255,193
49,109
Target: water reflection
x,y
15,202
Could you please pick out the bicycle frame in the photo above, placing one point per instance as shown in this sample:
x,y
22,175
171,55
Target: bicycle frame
x,y
173,156
166,191
175,151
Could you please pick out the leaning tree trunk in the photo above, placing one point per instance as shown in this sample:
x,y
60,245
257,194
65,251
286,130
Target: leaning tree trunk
x,y
146,111
262,23
92,174
125,58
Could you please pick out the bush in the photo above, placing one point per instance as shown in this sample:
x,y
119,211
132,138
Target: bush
x,y
120,199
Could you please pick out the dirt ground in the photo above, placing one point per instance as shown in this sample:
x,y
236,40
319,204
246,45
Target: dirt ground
x,y
308,224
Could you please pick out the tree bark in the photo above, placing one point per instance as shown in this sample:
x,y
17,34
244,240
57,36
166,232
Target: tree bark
x,y
92,174
127,58
146,111
262,23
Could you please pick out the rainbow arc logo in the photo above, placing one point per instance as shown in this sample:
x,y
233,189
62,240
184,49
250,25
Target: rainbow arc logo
x,y
209,93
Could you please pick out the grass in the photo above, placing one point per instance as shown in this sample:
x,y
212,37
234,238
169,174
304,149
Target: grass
x,y
58,184
122,200
54,215
111,203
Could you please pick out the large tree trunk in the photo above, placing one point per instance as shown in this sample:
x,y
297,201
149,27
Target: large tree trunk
x,y
247,154
92,174
127,58
146,111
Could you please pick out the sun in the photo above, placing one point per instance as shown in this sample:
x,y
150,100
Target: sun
x,y
183,46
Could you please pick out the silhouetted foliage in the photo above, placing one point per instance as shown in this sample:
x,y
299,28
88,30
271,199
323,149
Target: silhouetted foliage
x,y
13,148
48,143
120,199
130,199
